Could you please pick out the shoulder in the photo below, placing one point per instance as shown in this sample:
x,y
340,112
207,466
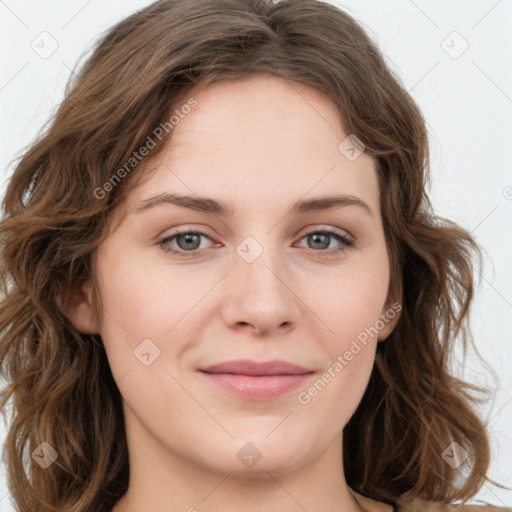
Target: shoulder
x,y
421,505
408,503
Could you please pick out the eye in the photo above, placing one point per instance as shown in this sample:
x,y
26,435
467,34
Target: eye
x,y
188,242
322,240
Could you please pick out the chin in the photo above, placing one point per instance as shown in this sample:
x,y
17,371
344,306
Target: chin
x,y
254,459
275,466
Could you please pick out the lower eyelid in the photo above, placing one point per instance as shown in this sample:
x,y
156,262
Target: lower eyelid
x,y
345,242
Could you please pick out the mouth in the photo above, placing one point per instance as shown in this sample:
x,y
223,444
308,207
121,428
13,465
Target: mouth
x,y
257,380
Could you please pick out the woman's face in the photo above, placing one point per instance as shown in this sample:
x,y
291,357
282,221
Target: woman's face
x,y
260,282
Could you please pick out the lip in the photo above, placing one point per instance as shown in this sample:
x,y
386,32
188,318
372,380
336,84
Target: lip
x,y
257,380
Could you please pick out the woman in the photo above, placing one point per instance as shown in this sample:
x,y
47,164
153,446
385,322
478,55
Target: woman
x,y
295,356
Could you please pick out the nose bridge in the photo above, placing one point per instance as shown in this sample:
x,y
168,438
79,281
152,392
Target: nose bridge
x,y
259,294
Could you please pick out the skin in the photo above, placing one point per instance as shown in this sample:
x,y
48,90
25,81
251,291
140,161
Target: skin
x,y
258,144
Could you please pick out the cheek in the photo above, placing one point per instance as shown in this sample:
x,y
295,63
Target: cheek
x,y
140,298
131,311
350,300
351,309
143,302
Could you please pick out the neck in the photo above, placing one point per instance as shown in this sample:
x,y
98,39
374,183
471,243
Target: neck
x,y
162,481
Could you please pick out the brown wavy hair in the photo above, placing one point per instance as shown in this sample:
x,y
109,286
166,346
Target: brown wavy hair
x,y
59,379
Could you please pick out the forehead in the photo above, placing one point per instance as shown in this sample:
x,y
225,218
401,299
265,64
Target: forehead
x,y
259,142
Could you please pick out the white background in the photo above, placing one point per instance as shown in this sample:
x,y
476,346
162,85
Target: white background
x,y
467,102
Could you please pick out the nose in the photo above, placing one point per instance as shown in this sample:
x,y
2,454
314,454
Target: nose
x,y
259,297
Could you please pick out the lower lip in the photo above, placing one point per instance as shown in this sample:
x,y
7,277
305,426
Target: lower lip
x,y
257,387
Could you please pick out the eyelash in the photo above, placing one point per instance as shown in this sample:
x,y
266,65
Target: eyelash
x,y
163,242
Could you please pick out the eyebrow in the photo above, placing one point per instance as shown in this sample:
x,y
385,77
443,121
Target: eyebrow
x,y
210,205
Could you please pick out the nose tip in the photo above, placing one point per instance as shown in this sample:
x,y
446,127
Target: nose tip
x,y
259,297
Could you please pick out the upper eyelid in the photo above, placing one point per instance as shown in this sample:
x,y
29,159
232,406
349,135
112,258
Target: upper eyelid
x,y
345,243
200,231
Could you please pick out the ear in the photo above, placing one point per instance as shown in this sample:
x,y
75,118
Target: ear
x,y
390,314
77,304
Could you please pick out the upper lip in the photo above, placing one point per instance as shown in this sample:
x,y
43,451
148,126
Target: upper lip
x,y
248,367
